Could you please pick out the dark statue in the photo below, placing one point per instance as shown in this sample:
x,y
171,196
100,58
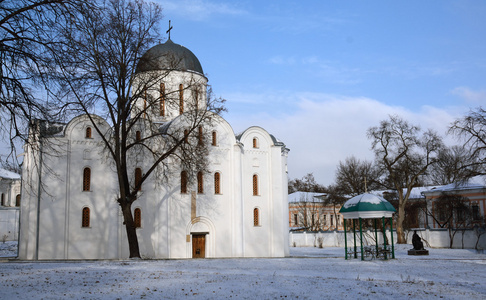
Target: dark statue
x,y
417,242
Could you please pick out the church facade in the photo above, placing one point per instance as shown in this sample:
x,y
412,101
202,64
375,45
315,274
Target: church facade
x,y
237,209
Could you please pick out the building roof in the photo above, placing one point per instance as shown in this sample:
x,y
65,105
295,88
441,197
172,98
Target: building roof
x,y
367,206
297,197
169,56
4,174
477,182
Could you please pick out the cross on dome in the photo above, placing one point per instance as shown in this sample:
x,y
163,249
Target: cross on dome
x,y
168,30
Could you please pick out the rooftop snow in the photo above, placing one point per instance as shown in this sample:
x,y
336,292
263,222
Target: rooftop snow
x,y
8,175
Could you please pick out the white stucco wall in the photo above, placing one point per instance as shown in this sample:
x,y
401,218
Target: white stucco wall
x,y
432,238
9,223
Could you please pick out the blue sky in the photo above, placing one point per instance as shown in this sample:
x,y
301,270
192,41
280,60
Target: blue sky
x,y
317,74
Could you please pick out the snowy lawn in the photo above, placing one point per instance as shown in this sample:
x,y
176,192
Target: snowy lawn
x,y
311,273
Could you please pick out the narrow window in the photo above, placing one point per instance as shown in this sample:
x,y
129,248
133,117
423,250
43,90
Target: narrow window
x,y
460,214
85,217
200,136
195,93
181,99
475,211
255,185
217,183
3,199
137,218
186,136
255,143
138,135
86,179
296,220
200,186
162,100
17,200
88,132
145,98
138,179
214,141
256,215
183,182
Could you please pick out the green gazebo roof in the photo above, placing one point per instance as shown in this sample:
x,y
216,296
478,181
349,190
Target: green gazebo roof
x,y
367,206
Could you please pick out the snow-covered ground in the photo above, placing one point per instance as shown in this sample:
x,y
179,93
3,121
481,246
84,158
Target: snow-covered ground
x,y
311,273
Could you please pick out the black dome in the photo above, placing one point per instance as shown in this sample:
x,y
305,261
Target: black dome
x,y
169,56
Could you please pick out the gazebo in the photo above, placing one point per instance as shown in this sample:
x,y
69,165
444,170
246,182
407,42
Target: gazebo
x,y
368,206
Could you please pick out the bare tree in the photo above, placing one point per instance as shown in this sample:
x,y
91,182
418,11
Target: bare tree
x,y
451,211
479,229
336,197
11,166
98,72
472,130
26,41
307,184
454,165
309,210
404,154
355,177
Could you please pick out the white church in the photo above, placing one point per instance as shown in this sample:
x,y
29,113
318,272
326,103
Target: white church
x,y
239,209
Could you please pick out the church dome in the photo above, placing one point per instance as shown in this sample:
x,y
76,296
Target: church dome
x,y
169,56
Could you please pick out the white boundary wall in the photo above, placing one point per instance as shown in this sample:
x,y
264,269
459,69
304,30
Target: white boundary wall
x,y
9,223
432,238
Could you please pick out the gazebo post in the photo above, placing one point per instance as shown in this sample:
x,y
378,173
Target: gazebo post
x,y
384,239
361,239
376,236
345,242
354,234
391,233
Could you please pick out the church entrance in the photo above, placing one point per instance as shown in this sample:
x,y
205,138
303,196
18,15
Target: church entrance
x,y
198,245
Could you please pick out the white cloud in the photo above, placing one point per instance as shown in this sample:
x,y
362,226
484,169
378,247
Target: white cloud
x,y
200,9
471,96
325,129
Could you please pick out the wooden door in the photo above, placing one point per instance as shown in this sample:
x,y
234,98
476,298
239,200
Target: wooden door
x,y
198,246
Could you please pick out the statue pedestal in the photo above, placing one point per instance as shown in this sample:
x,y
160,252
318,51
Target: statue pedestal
x,y
418,252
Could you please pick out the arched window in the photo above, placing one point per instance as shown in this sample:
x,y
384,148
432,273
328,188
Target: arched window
x,y
145,99
200,136
138,135
255,185
200,185
88,133
217,183
86,179
137,218
183,182
85,217
215,140
138,179
3,199
162,100
181,99
17,200
186,136
195,93
256,217
255,143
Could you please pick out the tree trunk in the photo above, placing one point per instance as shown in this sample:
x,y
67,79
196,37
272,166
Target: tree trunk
x,y
401,217
131,231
